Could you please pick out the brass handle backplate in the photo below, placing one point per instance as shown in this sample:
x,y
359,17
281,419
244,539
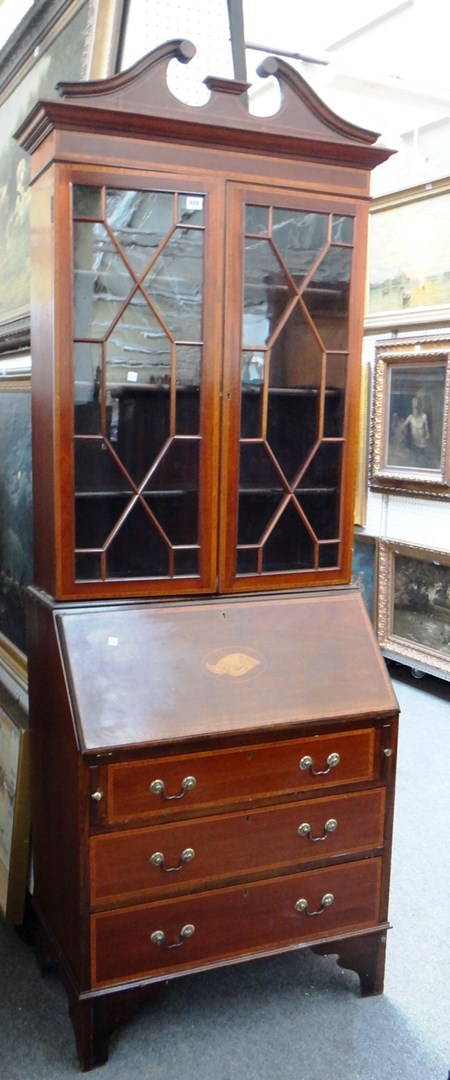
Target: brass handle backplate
x,y
157,859
307,762
305,830
159,938
302,905
158,787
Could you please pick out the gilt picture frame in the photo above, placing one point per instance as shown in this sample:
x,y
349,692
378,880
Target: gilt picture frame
x,y
413,610
69,39
15,813
409,437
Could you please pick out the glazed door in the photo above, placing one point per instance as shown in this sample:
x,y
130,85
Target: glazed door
x,y
144,328
291,374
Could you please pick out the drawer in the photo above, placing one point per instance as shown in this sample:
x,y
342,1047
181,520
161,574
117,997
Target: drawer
x,y
167,859
244,920
176,786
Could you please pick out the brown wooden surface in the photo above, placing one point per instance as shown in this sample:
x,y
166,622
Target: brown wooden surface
x,y
155,673
232,846
226,778
125,101
59,799
54,486
134,120
65,888
250,918
235,690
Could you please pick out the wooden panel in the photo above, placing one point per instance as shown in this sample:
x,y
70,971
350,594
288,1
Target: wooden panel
x,y
234,922
241,776
157,672
232,846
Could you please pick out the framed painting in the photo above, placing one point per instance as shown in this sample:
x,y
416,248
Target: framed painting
x,y
364,571
14,808
409,241
413,617
70,39
16,545
410,445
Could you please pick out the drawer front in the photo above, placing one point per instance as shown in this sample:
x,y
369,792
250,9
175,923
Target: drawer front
x,y
177,786
209,928
168,859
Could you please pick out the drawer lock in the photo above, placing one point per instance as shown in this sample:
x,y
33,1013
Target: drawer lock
x,y
159,938
306,830
307,762
157,859
302,905
157,787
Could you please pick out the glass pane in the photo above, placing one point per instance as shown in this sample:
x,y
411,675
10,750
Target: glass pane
x,y
95,518
177,514
257,220
175,284
295,349
87,362
87,418
257,470
178,469
324,471
251,404
86,201
186,563
256,510
290,546
146,428
327,297
188,360
328,556
342,229
138,349
140,221
336,372
191,209
292,428
143,427
101,281
266,293
95,468
87,568
322,511
296,356
299,236
247,562
188,411
252,368
137,550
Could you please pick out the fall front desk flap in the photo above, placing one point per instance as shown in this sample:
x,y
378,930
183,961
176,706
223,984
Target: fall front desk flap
x,y
146,672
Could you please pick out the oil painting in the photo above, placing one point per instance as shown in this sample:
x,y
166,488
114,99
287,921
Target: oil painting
x,y
414,605
409,239
16,558
410,445
61,57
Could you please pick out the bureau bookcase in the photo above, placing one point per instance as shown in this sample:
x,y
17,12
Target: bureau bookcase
x,y
213,727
